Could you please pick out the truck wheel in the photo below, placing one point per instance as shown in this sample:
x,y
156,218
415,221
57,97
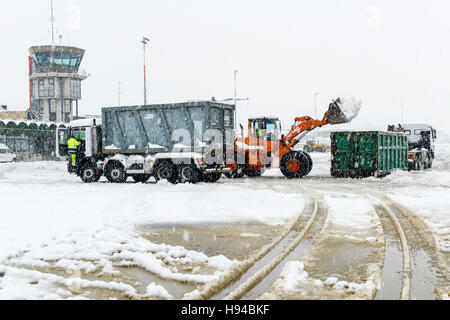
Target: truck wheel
x,y
89,174
294,165
188,174
212,177
141,178
115,173
166,170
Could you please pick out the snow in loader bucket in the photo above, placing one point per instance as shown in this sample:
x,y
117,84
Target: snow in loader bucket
x,y
343,110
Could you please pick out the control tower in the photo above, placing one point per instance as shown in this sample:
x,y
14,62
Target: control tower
x,y
55,82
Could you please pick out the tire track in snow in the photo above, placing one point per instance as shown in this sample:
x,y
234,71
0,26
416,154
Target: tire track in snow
x,y
265,269
239,272
421,275
384,212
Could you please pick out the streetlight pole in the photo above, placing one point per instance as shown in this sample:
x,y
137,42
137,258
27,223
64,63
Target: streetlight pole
x,y
120,91
403,113
315,105
144,42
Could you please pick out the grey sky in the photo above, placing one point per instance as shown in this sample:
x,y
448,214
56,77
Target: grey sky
x,y
383,52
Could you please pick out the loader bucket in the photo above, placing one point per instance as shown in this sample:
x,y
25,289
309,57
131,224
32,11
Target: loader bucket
x,y
343,111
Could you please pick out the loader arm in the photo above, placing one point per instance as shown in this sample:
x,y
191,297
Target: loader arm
x,y
302,126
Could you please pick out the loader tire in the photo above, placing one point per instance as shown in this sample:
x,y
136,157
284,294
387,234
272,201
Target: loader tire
x,y
295,165
310,161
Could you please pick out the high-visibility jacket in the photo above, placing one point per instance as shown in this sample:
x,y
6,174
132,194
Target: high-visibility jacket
x,y
73,144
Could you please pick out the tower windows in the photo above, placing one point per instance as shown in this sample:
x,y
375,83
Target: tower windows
x,y
46,88
75,89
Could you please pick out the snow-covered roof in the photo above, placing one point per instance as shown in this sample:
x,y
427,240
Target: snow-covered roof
x,y
29,122
416,125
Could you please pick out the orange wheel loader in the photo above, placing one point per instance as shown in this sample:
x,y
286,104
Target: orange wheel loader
x,y
264,148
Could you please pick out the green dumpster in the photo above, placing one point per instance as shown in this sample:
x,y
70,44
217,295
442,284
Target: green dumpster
x,y
368,153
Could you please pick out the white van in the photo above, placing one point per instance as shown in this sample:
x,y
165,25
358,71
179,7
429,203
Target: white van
x,y
6,155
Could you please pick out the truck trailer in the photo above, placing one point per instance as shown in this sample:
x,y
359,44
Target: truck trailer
x,y
180,143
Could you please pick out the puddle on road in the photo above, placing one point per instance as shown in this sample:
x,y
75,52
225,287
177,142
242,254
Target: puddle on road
x,y
344,260
333,257
235,241
392,272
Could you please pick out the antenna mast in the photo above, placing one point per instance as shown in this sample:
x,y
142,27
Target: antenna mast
x,y
52,19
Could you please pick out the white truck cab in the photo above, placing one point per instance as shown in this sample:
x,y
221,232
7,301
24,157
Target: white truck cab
x,y
414,132
6,155
421,142
116,167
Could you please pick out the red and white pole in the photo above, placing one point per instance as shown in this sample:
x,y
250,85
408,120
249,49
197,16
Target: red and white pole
x,y
30,83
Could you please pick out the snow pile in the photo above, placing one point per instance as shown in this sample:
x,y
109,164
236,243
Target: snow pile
x,y
293,275
111,147
157,292
155,146
84,254
296,283
19,284
350,107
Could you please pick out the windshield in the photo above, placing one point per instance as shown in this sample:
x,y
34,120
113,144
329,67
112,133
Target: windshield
x,y
419,132
272,130
79,133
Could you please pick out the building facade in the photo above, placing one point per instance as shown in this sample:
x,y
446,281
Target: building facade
x,y
55,82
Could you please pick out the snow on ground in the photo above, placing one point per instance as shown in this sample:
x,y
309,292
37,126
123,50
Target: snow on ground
x,y
351,233
52,221
352,217
296,283
427,193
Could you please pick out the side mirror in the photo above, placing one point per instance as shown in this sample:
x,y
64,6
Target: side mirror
x,y
242,129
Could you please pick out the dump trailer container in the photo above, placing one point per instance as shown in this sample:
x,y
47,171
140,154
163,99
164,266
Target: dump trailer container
x,y
369,153
180,143
150,129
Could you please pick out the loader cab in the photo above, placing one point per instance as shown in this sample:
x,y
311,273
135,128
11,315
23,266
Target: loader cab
x,y
268,129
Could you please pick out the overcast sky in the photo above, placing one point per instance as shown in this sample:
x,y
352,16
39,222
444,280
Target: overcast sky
x,y
383,52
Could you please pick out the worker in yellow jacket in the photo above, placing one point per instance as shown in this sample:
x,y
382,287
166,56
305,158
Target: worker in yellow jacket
x,y
72,146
